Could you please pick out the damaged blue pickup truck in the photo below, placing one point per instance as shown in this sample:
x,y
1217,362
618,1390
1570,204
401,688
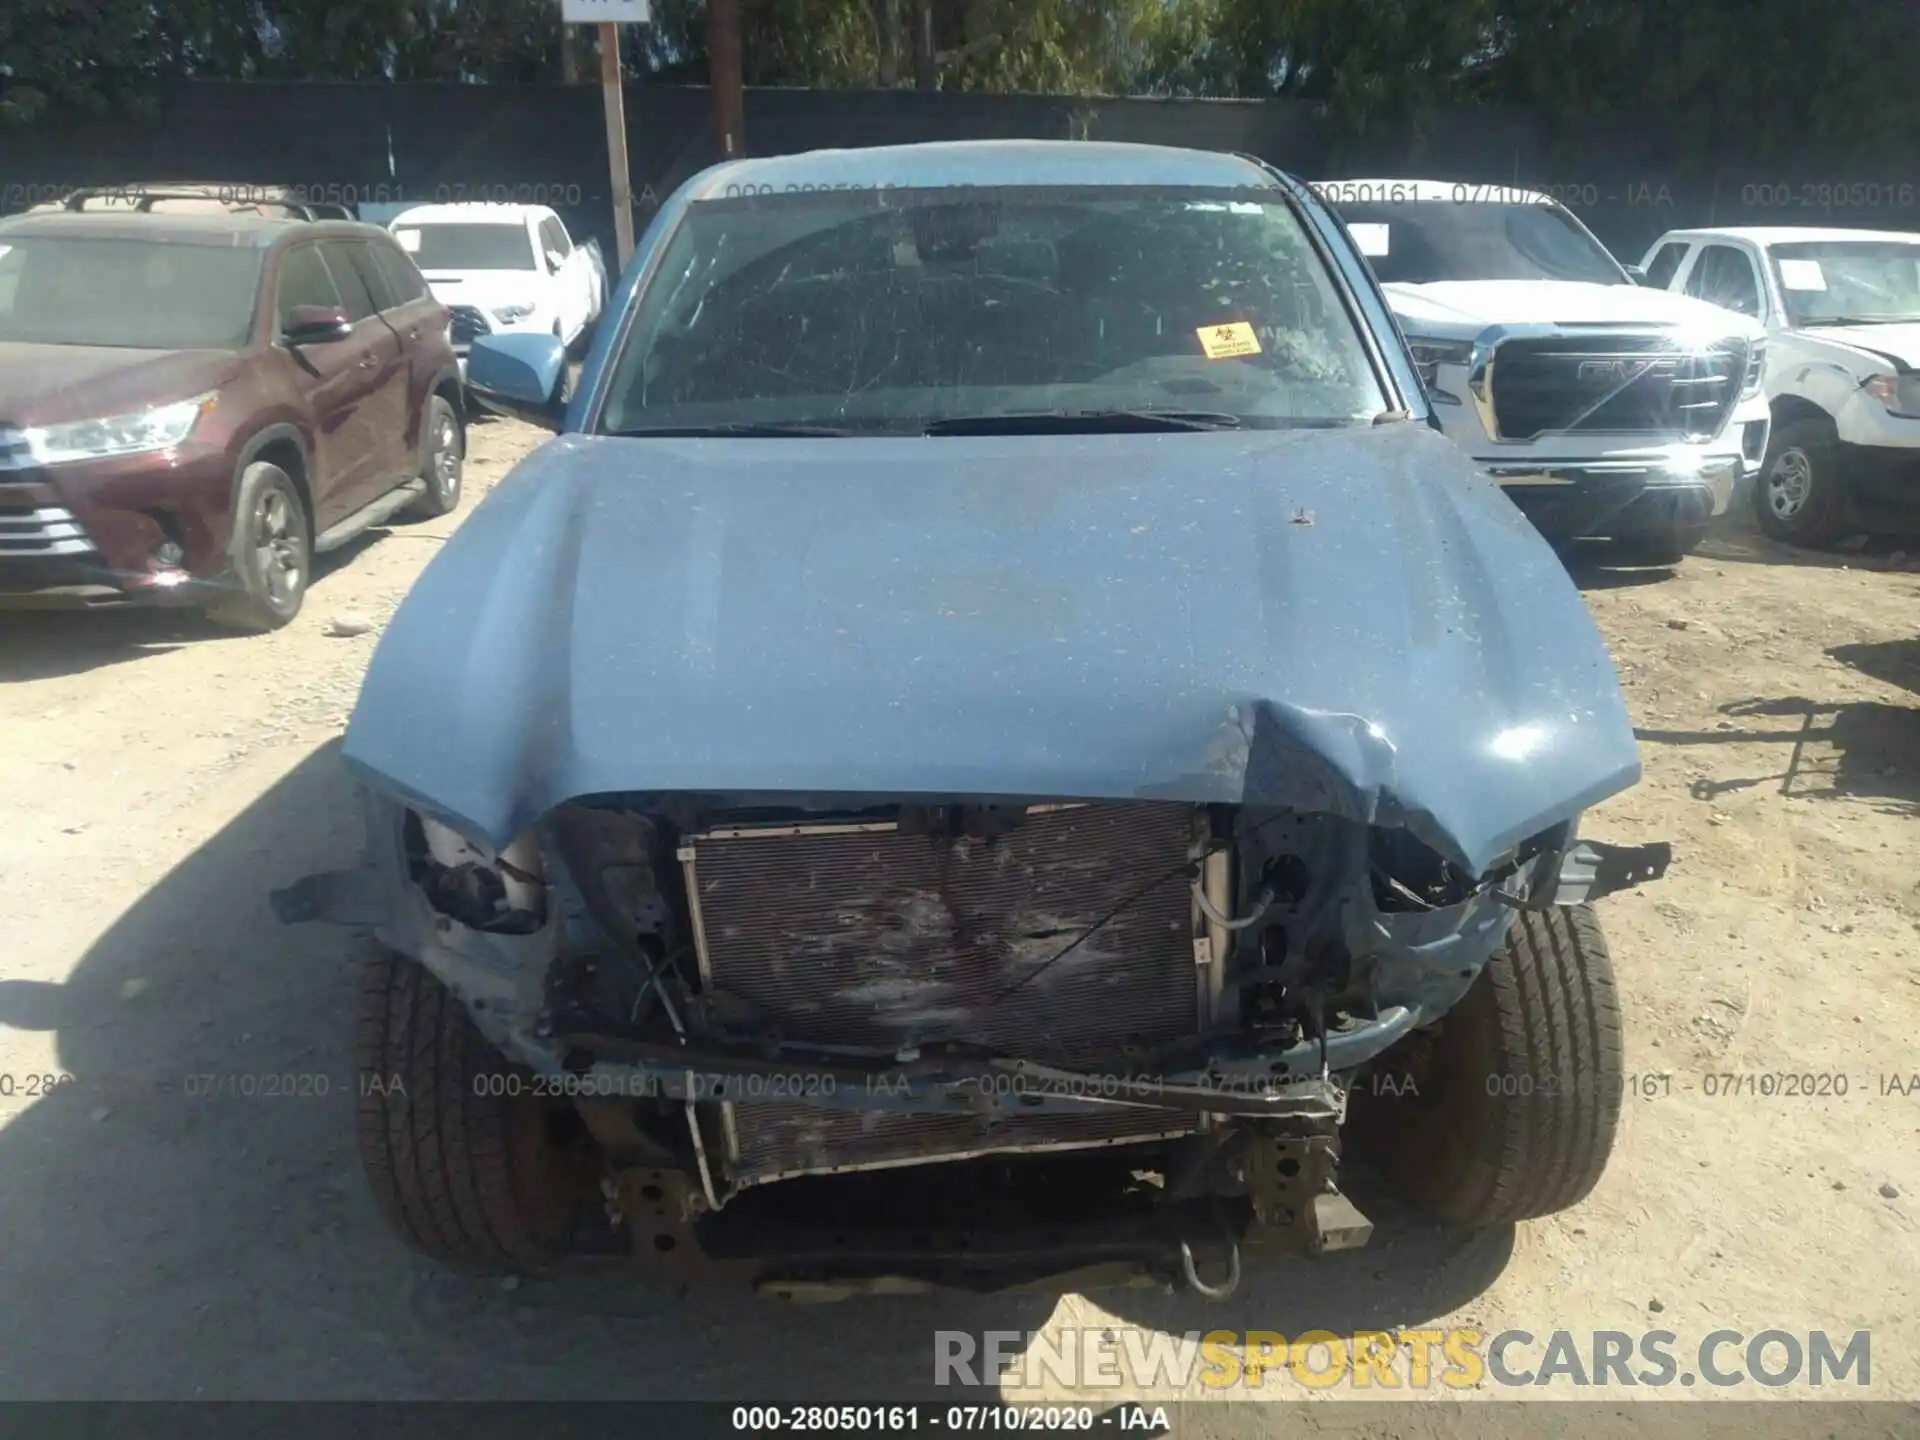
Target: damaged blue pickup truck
x,y
994,744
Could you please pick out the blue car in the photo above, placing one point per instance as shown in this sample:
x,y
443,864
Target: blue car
x,y
995,739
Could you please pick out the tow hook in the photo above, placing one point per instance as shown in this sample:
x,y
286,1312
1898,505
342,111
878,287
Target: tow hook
x,y
1190,1272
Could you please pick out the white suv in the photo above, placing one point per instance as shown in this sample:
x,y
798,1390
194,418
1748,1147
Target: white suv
x,y
1606,410
504,268
1842,310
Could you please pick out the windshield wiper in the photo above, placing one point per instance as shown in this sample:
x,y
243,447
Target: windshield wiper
x,y
748,428
1090,422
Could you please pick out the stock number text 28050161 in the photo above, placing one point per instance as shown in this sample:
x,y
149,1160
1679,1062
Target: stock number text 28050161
x,y
1831,195
1816,1085
885,1419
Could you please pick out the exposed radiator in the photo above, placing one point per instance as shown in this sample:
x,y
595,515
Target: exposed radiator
x,y
864,935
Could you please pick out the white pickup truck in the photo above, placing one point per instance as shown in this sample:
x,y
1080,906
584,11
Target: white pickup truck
x,y
1607,411
1842,311
503,268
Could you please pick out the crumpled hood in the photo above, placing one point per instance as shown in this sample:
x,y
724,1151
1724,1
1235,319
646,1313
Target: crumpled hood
x,y
1355,620
1899,343
1462,308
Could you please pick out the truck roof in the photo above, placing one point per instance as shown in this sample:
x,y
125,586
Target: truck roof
x,y
1764,235
984,162
478,212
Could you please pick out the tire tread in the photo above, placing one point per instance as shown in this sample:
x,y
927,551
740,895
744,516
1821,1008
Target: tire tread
x,y
435,1149
1545,1011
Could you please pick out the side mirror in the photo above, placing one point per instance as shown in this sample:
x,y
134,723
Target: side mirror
x,y
521,376
1636,274
555,260
316,325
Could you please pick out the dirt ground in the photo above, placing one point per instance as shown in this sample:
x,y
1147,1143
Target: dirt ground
x,y
158,779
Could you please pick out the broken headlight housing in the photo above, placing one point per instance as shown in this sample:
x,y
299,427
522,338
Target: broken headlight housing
x,y
469,882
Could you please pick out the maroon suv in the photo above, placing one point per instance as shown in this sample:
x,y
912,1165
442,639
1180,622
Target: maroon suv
x,y
193,405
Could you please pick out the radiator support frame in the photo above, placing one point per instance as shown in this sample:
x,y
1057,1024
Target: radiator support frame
x,y
1210,867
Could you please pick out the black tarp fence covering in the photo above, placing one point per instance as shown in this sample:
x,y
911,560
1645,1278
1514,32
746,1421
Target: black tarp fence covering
x,y
377,145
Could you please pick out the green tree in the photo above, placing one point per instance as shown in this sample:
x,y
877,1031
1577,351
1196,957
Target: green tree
x,y
1763,74
1069,46
1368,61
1775,75
90,51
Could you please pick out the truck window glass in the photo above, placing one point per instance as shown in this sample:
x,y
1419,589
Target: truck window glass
x,y
851,308
1831,282
360,302
403,278
304,280
1433,240
134,294
1724,276
367,269
1666,264
471,247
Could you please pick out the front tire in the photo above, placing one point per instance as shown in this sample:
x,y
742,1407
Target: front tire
x,y
269,552
1660,547
462,1174
1801,496
1515,1095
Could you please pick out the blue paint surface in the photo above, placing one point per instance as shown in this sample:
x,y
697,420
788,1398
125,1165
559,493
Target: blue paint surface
x,y
1353,620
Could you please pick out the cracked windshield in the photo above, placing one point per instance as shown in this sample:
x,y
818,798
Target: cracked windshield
x,y
1851,282
989,304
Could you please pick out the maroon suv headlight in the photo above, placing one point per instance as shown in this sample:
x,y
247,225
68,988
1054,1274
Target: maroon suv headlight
x,y
137,432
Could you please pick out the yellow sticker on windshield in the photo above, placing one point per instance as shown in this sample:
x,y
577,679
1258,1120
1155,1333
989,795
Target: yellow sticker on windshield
x,y
1229,342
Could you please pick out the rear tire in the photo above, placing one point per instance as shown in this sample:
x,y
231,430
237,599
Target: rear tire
x,y
1801,496
269,553
1516,1092
445,445
462,1174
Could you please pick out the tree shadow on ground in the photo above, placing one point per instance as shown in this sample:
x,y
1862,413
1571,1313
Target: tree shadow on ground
x,y
1892,662
1876,750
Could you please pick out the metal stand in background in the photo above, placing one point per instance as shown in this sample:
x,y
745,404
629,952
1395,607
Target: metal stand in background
x,y
609,15
611,91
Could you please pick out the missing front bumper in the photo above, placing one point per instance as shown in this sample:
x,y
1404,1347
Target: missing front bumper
x,y
1012,1223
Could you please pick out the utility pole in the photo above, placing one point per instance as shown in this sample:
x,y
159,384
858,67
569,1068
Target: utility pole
x,y
926,61
613,95
608,15
723,68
